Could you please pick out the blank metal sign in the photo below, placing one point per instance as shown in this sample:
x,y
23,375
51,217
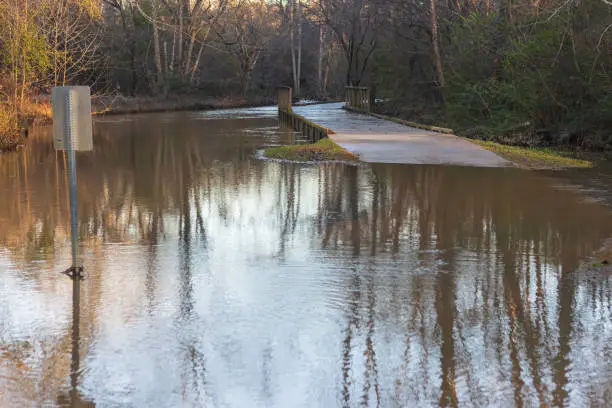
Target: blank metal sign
x,y
72,117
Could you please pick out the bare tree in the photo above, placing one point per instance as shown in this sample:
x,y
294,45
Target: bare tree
x,y
355,25
296,64
245,35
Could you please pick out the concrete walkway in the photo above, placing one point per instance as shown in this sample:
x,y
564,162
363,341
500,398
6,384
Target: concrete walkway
x,y
382,141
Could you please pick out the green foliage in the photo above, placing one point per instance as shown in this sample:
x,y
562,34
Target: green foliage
x,y
540,82
25,47
36,52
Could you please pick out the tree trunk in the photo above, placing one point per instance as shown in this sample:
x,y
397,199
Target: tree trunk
x,y
299,63
179,59
158,64
196,64
203,39
65,56
296,82
25,65
133,54
192,39
436,44
132,45
326,78
55,46
171,65
320,63
165,61
349,59
246,79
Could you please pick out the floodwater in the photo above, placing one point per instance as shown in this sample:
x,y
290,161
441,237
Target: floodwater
x,y
215,279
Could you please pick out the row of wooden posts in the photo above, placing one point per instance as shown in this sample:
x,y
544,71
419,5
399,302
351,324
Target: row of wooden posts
x,y
357,98
298,123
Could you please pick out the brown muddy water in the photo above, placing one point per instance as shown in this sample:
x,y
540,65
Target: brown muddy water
x,y
215,279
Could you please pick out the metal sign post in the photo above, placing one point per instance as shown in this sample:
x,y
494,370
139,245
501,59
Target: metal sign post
x,y
76,337
72,131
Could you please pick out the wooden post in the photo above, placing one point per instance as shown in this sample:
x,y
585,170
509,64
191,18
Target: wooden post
x,y
360,93
297,123
284,99
358,98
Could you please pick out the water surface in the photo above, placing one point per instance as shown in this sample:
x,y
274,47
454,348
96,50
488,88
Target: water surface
x,y
216,279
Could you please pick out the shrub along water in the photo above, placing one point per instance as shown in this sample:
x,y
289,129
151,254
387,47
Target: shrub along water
x,y
521,72
545,81
9,135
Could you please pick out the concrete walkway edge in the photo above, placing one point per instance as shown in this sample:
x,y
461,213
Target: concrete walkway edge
x,y
377,140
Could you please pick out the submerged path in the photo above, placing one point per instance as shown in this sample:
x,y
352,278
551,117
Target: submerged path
x,y
382,141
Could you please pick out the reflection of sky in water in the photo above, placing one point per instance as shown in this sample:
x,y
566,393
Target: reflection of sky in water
x,y
257,284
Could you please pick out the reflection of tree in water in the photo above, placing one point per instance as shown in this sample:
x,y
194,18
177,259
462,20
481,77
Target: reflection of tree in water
x,y
194,375
288,198
128,187
464,273
492,243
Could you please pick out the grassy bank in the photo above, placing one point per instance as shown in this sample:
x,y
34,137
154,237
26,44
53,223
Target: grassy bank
x,y
536,158
323,150
532,158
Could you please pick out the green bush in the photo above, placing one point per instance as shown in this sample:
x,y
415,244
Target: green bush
x,y
541,82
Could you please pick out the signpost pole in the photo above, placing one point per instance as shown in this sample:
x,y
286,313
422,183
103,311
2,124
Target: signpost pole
x,y
72,183
72,131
